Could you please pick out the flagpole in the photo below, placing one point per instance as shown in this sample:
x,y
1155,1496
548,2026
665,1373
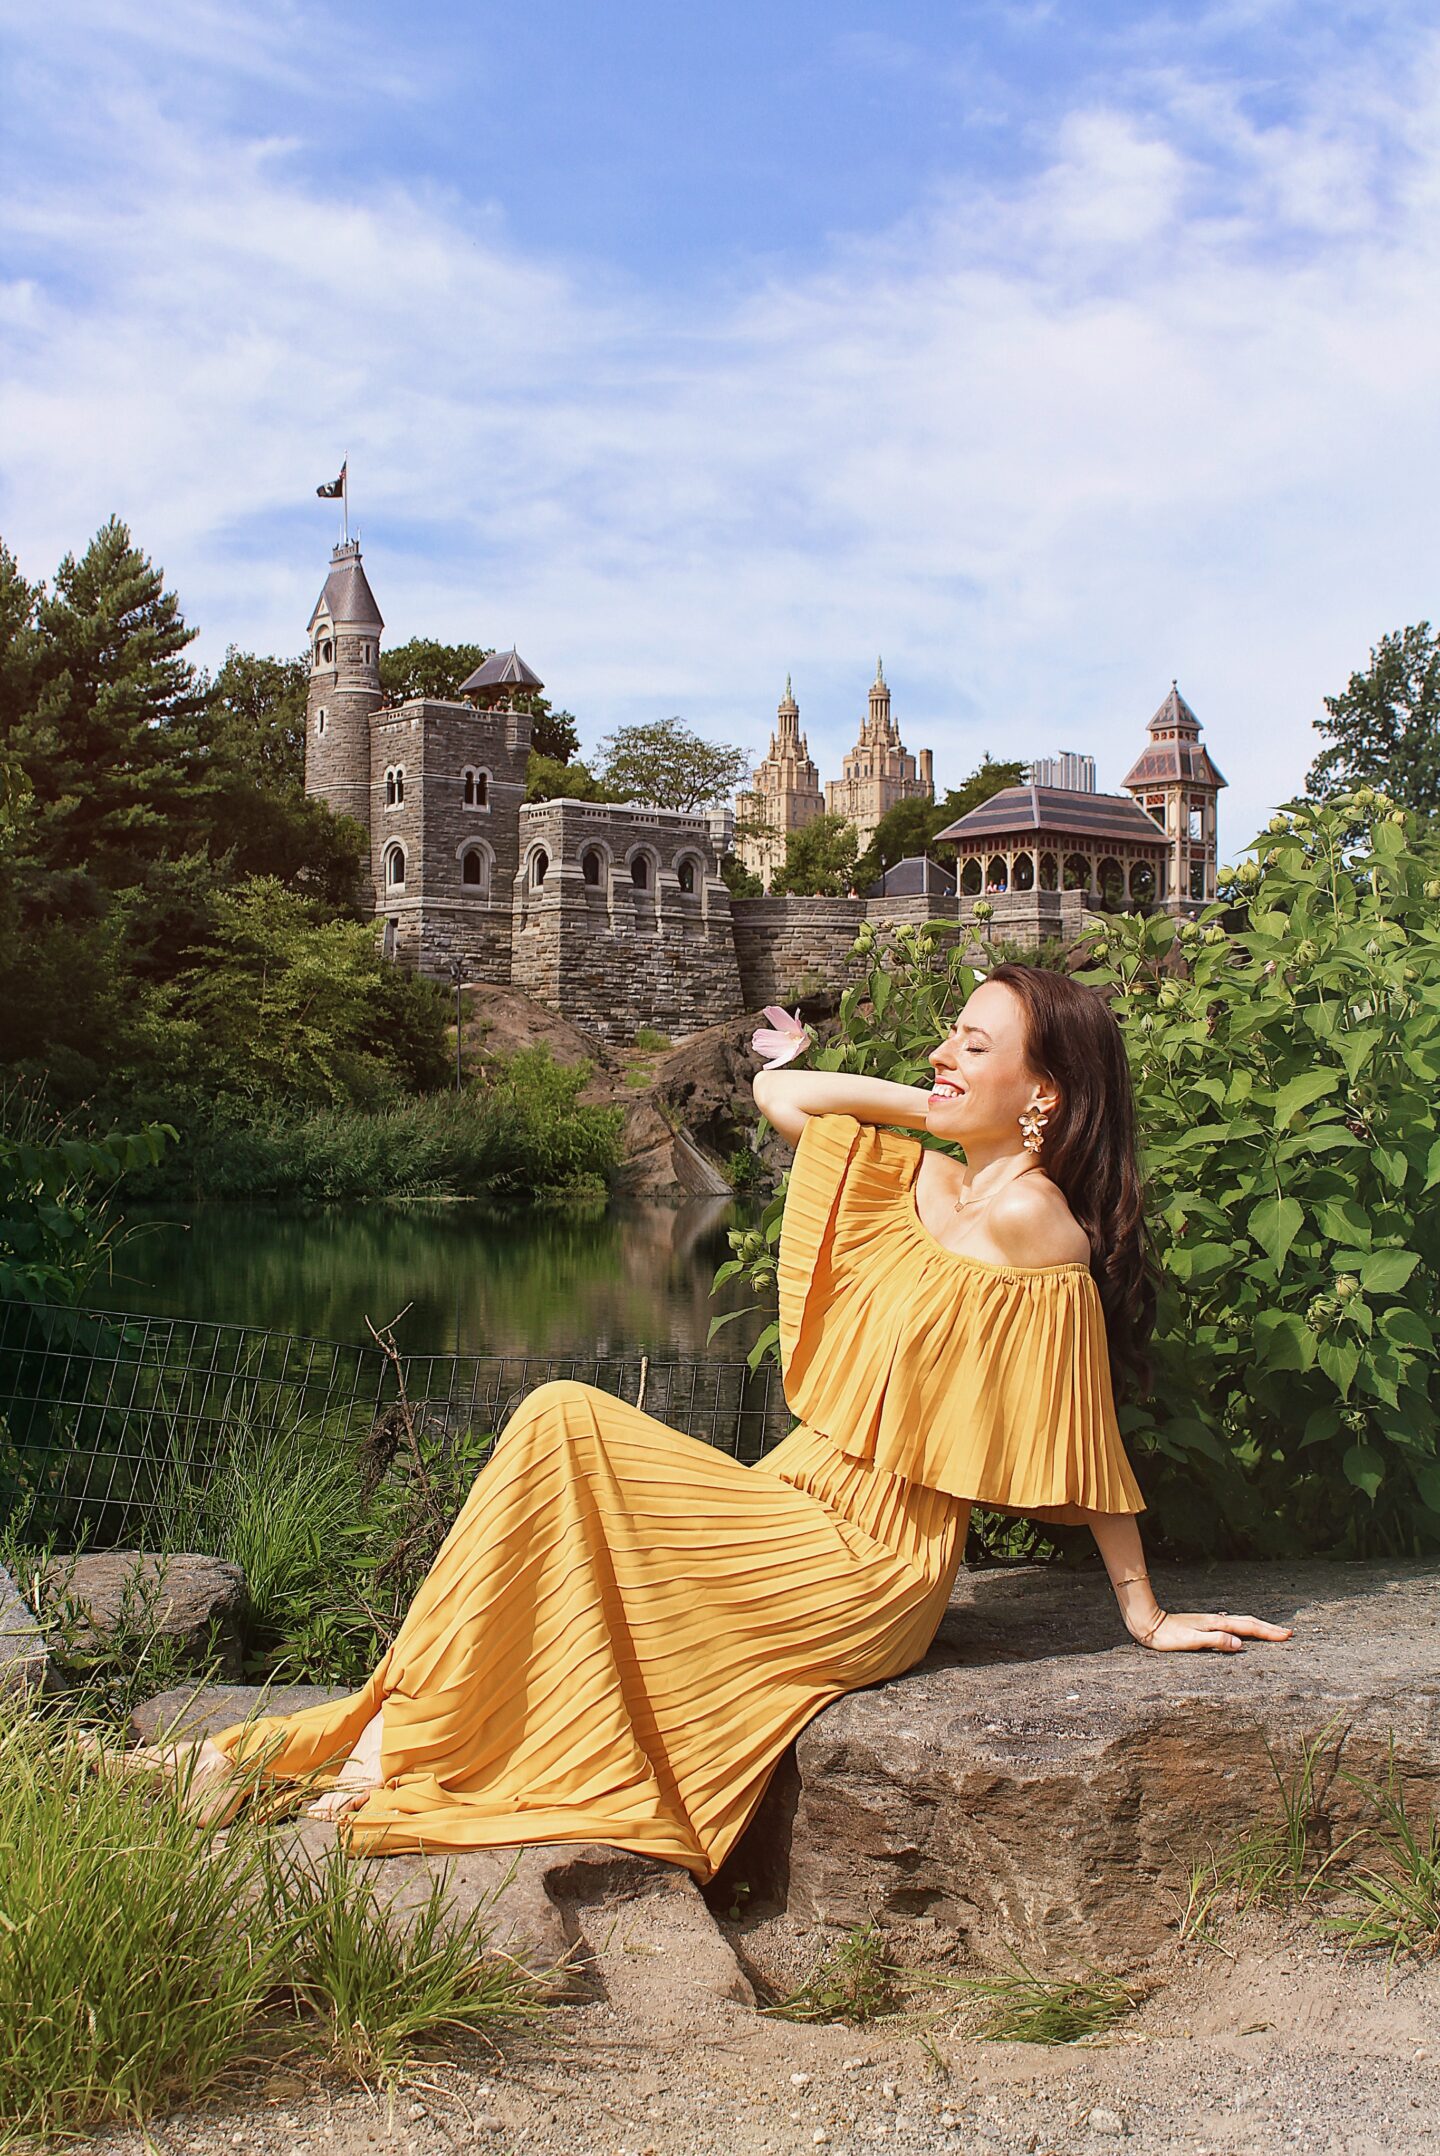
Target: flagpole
x,y
345,498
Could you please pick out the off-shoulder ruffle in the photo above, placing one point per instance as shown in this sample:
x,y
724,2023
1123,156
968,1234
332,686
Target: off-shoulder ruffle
x,y
990,1382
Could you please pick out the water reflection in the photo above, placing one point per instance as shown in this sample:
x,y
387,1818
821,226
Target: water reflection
x,y
629,1279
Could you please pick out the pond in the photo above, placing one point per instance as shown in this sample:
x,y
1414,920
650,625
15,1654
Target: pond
x,y
630,1279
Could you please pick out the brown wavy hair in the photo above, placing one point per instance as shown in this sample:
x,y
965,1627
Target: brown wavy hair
x,y
1090,1151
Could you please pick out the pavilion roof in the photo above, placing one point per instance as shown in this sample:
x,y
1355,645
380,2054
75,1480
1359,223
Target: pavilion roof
x,y
1060,811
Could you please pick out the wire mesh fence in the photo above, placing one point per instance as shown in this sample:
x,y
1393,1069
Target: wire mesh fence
x,y
107,1418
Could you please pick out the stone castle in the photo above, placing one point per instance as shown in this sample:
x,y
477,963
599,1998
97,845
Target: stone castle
x,y
617,915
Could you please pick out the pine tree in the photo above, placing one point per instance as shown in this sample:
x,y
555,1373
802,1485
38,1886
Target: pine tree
x,y
103,740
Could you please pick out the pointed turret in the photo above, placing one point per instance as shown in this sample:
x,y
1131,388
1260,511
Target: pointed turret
x,y
344,687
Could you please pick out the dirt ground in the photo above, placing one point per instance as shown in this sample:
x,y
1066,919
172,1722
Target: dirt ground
x,y
1272,2041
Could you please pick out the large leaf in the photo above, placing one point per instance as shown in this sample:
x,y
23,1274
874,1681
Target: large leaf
x,y
1274,1225
1385,1272
1302,1092
1365,1467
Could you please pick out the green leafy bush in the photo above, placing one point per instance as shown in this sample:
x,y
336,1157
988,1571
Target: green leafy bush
x,y
1285,1058
1286,1073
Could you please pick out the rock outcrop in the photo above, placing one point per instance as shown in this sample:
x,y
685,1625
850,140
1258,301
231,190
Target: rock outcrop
x,y
1041,1779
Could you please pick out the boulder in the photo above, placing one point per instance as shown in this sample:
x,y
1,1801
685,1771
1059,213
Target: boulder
x,y
26,1663
197,1603
1040,1779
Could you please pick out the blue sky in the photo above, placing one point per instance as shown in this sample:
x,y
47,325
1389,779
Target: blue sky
x,y
1051,350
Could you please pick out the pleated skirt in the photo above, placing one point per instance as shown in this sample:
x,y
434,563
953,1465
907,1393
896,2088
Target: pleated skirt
x,y
623,1631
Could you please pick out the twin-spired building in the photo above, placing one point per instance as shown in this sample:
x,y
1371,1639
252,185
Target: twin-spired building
x,y
785,793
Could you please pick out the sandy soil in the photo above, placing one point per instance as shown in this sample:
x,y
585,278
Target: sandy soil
x,y
1277,2042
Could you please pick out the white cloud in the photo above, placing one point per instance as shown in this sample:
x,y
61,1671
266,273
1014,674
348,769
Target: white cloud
x,y
1165,406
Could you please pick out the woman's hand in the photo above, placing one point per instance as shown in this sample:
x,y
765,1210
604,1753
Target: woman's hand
x,y
1181,1631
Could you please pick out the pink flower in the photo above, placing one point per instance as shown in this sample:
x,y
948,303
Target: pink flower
x,y
782,1040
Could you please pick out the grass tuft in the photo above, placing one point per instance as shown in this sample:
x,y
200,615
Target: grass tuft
x,y
372,1988
1027,2008
854,1980
145,1957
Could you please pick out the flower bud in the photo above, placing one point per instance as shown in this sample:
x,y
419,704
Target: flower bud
x,y
1347,1287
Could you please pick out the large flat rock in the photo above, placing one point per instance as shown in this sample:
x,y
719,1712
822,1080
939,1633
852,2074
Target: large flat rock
x,y
1041,1779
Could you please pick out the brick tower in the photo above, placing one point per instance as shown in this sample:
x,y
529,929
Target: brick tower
x,y
344,686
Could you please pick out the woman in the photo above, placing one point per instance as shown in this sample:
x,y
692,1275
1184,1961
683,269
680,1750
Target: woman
x,y
625,1627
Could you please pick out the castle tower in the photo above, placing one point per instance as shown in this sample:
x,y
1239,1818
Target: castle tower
x,y
344,686
879,770
1176,783
783,797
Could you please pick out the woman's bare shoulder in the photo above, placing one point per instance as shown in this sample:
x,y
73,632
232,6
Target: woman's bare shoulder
x,y
1033,1225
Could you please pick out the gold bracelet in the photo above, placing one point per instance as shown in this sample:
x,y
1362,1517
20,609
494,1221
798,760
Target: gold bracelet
x,y
1143,1639
1130,1579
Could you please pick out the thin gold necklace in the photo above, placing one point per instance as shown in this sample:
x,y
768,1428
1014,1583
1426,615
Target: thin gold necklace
x,y
963,1203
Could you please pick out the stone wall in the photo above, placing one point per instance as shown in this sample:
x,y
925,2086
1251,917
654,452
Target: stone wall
x,y
793,948
628,945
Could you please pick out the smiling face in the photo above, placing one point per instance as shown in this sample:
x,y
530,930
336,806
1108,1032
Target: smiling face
x,y
983,1080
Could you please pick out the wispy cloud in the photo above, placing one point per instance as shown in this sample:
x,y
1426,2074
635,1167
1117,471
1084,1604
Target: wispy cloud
x,y
1162,403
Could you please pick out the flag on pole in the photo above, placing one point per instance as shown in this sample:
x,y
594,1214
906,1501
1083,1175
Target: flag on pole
x,y
335,491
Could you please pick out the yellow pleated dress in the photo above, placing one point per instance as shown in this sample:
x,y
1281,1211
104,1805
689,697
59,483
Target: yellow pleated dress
x,y
625,1627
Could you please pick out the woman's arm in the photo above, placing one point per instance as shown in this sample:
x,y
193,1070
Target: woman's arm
x,y
786,1098
1118,1539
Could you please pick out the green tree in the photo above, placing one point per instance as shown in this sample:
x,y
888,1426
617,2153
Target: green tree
x,y
740,881
661,761
282,1006
111,697
910,826
819,860
423,667
548,779
1384,727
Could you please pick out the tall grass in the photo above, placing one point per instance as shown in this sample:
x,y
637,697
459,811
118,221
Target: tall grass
x,y
144,1958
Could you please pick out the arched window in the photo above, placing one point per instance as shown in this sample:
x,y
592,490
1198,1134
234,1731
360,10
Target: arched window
x,y
1142,883
482,789
468,790
640,872
399,784
1077,872
472,868
390,789
475,789
1049,872
395,867
685,876
971,879
320,718
538,866
1024,872
1112,883
592,864
996,878
395,786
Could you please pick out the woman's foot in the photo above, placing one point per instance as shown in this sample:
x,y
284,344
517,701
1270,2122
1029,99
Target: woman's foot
x,y
357,1777
213,1788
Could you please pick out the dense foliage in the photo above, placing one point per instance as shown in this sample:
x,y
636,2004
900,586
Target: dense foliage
x,y
1285,1065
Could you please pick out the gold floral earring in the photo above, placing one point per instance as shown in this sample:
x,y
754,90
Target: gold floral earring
x,y
1032,1122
